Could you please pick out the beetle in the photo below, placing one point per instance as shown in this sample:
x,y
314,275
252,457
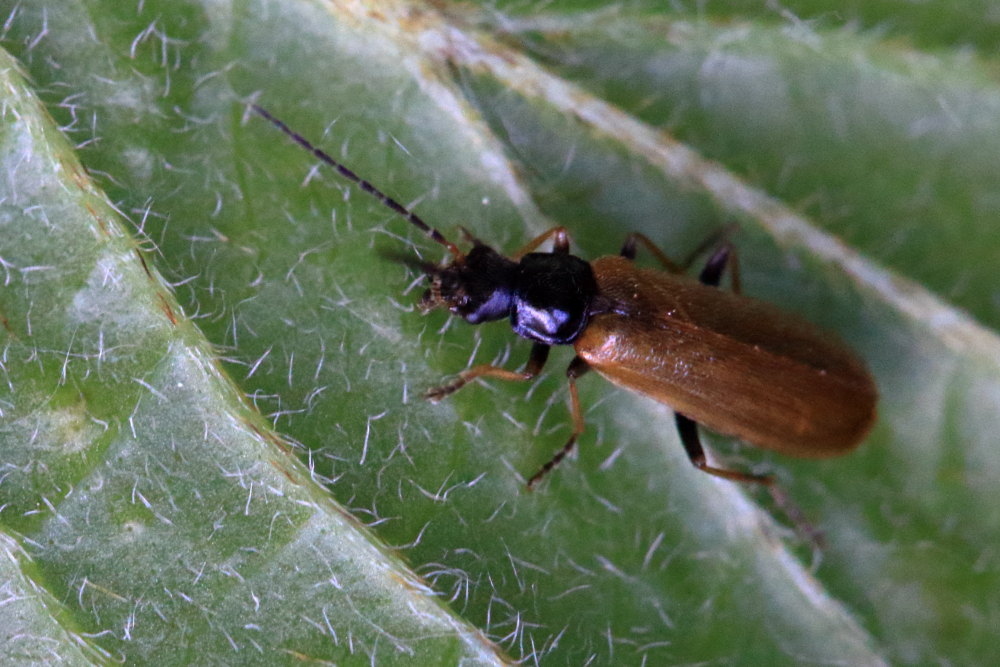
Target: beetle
x,y
739,366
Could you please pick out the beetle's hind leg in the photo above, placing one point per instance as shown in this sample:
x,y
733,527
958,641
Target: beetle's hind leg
x,y
711,274
688,430
724,257
576,368
539,355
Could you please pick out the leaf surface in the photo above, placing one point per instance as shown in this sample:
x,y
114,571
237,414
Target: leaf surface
x,y
162,508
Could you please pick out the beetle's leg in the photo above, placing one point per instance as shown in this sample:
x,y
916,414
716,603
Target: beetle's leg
x,y
465,235
688,430
628,251
715,239
576,368
539,355
711,274
560,243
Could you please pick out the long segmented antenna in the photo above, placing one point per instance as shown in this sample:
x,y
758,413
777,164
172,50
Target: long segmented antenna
x,y
412,217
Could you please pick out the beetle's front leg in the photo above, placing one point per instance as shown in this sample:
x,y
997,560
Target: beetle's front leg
x,y
539,355
560,243
577,367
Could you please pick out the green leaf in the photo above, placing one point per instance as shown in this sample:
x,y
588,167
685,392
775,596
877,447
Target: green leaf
x,y
156,506
175,447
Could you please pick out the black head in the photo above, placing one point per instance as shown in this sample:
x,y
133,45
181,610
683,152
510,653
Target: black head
x,y
478,287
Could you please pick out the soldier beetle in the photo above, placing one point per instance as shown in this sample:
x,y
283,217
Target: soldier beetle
x,y
736,365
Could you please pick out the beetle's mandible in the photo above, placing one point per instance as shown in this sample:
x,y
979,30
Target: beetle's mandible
x,y
737,365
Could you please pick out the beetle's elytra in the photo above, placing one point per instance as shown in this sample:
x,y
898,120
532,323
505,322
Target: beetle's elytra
x,y
737,365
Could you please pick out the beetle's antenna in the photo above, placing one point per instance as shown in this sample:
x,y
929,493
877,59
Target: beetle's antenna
x,y
412,217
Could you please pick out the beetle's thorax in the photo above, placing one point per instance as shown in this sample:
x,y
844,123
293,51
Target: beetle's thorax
x,y
547,296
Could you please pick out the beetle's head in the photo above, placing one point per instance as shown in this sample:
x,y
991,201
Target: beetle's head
x,y
477,286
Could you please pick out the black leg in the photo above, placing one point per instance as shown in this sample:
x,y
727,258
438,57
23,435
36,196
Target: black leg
x,y
688,430
725,256
713,240
629,249
536,361
576,368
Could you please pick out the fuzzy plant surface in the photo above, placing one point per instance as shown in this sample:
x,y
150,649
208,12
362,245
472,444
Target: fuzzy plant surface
x,y
214,446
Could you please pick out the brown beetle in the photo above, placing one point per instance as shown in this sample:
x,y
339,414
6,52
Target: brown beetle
x,y
734,364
